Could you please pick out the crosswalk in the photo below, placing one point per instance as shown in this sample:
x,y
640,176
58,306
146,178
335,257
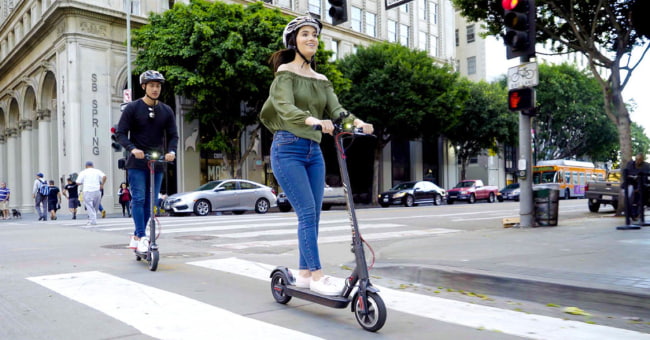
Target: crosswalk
x,y
167,315
270,230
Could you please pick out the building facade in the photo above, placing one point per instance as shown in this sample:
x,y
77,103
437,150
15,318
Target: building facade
x,y
63,72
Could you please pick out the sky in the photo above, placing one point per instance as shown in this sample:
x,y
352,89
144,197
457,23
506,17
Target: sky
x,y
637,89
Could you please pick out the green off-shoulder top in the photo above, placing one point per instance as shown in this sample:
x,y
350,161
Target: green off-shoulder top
x,y
293,98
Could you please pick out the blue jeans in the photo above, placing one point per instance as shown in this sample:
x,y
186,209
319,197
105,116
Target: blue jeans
x,y
299,168
140,199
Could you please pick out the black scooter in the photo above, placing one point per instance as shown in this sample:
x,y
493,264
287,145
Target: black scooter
x,y
367,306
151,255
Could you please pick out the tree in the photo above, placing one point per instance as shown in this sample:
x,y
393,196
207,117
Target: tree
x,y
600,30
216,54
485,121
401,92
571,122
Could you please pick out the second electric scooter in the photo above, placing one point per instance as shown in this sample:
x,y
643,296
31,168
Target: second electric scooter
x,y
367,306
151,255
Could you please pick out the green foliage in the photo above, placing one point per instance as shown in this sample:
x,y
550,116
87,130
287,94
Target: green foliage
x,y
599,30
216,54
571,122
400,91
640,140
484,122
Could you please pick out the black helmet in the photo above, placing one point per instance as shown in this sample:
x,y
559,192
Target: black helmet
x,y
151,75
295,24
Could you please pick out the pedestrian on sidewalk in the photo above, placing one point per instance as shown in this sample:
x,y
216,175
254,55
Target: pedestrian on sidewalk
x,y
144,127
53,200
4,200
300,98
92,181
39,194
125,199
71,192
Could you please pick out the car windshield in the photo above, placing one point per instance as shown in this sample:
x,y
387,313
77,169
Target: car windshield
x,y
512,186
208,186
403,186
468,184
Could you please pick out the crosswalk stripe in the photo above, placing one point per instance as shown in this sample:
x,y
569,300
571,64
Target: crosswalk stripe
x,y
159,313
451,311
334,239
293,231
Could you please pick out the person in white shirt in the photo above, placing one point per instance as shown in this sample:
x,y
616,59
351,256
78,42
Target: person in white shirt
x,y
92,181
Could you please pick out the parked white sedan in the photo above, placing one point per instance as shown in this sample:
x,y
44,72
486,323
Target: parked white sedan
x,y
236,195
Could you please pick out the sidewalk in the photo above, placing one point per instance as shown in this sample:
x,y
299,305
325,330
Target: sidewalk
x,y
583,261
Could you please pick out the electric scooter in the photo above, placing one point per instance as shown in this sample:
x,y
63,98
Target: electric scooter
x,y
151,255
367,306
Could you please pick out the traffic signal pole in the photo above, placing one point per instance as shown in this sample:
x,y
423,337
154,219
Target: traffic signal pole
x,y
520,38
526,206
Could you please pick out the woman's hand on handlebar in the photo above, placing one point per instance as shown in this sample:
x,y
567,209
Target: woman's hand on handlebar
x,y
169,157
326,125
363,126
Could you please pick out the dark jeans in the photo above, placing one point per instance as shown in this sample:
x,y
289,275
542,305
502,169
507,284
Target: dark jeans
x,y
140,184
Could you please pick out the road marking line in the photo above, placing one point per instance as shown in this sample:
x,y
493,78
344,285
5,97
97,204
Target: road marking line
x,y
456,312
292,231
158,313
335,239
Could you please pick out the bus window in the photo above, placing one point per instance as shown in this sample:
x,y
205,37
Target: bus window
x,y
574,176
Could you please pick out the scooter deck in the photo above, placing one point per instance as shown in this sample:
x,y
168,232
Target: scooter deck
x,y
306,294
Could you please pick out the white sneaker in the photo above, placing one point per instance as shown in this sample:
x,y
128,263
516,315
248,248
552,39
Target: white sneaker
x,y
302,282
133,243
325,286
143,244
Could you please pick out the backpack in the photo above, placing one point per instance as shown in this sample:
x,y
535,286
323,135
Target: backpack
x,y
43,188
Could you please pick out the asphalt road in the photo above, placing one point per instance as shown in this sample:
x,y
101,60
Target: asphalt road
x,y
61,280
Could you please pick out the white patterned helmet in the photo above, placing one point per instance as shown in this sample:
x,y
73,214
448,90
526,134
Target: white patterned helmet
x,y
295,24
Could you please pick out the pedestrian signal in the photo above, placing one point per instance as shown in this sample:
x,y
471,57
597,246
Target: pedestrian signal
x,y
521,99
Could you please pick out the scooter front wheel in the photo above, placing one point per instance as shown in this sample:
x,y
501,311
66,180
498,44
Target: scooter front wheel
x,y
279,284
153,263
373,316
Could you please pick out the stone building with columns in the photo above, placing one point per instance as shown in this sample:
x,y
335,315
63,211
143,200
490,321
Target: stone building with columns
x,y
63,71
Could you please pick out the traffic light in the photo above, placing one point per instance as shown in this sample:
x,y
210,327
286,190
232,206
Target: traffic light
x,y
117,147
519,19
338,11
521,99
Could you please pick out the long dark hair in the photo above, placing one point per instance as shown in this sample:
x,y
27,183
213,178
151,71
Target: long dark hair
x,y
287,55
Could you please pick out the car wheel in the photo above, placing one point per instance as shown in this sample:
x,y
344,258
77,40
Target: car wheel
x,y
327,207
567,194
437,200
500,198
472,199
262,206
594,206
384,205
238,212
615,205
409,201
202,207
491,198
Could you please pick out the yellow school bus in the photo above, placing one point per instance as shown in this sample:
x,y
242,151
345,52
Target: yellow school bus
x,y
570,176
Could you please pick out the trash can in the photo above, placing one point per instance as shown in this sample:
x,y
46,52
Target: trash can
x,y
546,200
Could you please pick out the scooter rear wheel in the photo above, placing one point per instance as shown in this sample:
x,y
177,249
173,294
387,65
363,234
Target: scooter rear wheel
x,y
375,317
279,283
153,264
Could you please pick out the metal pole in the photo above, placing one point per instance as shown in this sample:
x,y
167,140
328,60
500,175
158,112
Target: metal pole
x,y
525,153
128,49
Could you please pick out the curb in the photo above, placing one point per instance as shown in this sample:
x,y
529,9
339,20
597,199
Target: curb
x,y
568,293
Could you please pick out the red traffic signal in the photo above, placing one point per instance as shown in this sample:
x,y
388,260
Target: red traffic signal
x,y
521,99
519,19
